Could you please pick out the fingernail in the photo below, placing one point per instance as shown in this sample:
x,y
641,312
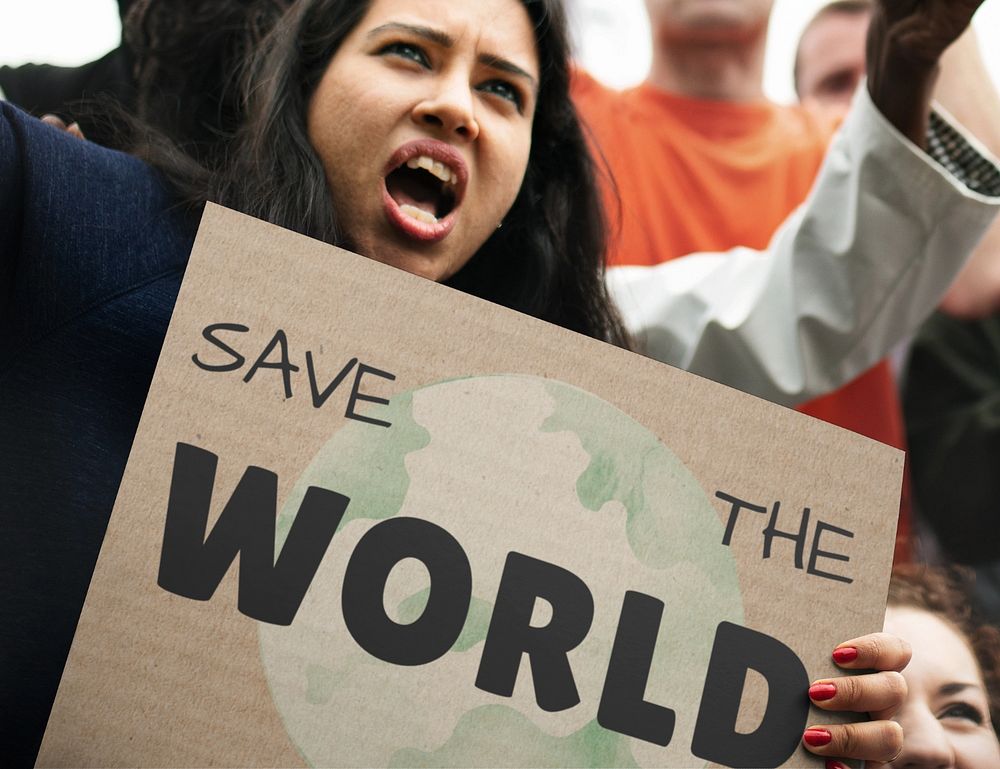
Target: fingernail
x,y
831,764
817,738
845,654
821,692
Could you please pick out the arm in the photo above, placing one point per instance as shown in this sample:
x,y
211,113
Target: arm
x,y
855,270
966,90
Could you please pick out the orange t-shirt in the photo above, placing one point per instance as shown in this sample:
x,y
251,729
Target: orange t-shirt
x,y
697,175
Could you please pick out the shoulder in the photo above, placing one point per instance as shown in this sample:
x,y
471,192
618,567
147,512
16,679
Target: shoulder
x,y
77,190
86,223
593,99
607,112
54,160
585,88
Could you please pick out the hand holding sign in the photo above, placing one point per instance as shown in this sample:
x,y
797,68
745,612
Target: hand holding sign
x,y
880,694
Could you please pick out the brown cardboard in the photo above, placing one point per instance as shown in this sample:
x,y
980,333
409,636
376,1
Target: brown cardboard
x,y
506,429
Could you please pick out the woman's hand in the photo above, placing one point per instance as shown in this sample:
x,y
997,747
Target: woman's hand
x,y
905,41
880,694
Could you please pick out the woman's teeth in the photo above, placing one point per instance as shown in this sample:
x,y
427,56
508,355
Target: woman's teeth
x,y
439,169
418,213
420,207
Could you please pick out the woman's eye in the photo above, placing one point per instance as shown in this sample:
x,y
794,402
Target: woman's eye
x,y
406,51
504,90
964,711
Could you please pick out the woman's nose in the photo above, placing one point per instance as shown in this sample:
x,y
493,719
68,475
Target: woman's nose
x,y
450,107
926,744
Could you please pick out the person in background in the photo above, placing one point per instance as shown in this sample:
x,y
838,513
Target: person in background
x,y
830,57
65,93
702,161
951,401
951,393
187,70
829,65
176,68
952,709
948,668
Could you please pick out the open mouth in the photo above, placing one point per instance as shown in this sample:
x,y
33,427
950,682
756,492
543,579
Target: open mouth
x,y
424,189
424,183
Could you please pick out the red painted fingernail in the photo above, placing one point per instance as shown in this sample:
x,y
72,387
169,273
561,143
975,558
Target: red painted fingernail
x,y
817,738
821,692
831,764
845,654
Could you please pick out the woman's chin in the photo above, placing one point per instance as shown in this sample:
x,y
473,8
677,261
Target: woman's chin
x,y
436,267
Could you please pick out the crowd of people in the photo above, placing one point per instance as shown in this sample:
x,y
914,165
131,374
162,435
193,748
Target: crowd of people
x,y
783,250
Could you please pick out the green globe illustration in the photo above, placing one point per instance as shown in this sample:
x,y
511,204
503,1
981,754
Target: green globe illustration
x,y
505,463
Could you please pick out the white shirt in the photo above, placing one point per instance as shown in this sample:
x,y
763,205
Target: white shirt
x,y
856,269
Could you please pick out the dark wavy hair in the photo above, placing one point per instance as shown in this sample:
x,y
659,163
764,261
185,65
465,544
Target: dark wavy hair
x,y
946,593
186,57
548,258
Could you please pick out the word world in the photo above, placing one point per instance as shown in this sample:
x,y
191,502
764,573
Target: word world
x,y
271,590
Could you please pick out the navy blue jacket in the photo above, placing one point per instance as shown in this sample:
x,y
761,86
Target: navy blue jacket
x,y
92,251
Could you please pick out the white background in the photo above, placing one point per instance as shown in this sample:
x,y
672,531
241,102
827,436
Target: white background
x,y
613,34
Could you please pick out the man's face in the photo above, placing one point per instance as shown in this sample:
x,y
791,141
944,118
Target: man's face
x,y
708,18
831,61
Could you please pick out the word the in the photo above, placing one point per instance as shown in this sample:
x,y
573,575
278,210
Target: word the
x,y
771,531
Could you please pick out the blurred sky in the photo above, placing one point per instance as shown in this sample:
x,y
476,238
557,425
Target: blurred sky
x,y
613,34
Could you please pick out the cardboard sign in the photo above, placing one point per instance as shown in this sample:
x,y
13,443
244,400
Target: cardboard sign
x,y
370,521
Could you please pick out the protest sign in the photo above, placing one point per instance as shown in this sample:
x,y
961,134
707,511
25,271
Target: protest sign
x,y
370,521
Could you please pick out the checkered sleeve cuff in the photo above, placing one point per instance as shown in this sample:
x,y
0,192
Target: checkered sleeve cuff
x,y
961,159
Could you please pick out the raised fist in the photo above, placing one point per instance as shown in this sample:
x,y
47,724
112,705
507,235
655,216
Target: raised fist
x,y
905,42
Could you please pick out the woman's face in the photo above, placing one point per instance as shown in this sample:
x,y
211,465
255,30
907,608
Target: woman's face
x,y
423,123
946,717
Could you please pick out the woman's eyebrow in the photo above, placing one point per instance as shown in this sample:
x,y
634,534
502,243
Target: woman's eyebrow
x,y
428,33
956,687
445,40
499,63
